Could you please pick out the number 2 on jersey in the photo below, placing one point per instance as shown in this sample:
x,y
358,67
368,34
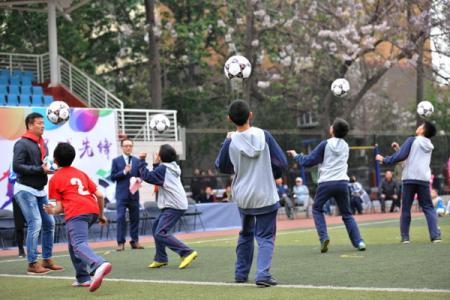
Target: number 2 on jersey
x,y
81,189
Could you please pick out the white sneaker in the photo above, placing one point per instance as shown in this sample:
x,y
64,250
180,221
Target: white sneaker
x,y
81,284
100,273
361,246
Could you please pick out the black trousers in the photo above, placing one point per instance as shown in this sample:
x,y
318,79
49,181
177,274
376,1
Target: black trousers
x,y
19,223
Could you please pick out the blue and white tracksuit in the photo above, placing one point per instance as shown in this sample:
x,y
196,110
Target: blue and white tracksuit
x,y
332,155
172,201
255,159
416,152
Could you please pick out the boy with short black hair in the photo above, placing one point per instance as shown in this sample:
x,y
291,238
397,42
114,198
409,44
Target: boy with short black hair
x,y
332,155
253,155
172,201
416,152
77,196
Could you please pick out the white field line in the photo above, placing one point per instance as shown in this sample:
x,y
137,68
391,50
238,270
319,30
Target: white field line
x,y
233,238
286,286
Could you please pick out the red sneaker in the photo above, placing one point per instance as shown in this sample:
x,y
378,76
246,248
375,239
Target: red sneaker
x,y
99,274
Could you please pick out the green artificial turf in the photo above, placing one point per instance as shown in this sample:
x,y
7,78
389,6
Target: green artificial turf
x,y
297,261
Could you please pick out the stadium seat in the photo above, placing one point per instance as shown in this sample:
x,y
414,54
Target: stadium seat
x,y
37,90
48,99
26,81
3,89
4,73
14,81
14,89
17,73
12,99
24,100
4,80
28,74
25,89
36,100
2,99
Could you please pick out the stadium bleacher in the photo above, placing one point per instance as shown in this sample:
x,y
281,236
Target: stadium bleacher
x,y
17,89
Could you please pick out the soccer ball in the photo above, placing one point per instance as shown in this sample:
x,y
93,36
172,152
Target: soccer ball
x,y
237,66
340,87
58,112
425,109
159,123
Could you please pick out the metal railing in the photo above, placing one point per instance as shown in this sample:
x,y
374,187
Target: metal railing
x,y
133,122
23,62
137,125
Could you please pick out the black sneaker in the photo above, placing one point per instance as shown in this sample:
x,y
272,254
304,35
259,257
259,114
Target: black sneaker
x,y
436,240
240,280
324,246
266,282
22,252
405,241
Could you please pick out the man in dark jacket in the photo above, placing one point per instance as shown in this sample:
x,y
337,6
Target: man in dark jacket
x,y
31,171
123,168
389,191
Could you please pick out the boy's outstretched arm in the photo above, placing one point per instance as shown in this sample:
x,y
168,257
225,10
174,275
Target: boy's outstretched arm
x,y
223,162
312,159
156,176
277,157
53,210
400,155
101,204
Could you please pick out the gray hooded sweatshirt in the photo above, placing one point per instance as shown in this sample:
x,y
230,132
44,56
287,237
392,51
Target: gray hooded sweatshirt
x,y
255,158
416,152
171,192
332,155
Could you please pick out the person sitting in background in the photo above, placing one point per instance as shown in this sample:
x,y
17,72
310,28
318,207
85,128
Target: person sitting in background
x,y
196,185
356,193
207,196
284,198
389,191
227,194
301,193
438,203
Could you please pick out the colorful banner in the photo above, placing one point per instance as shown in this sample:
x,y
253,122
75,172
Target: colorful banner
x,y
92,132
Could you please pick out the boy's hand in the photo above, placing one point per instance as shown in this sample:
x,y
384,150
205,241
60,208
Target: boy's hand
x,y
379,157
102,220
395,146
156,158
50,209
47,170
292,153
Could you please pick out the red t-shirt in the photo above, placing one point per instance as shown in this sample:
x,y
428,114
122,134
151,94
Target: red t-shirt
x,y
74,189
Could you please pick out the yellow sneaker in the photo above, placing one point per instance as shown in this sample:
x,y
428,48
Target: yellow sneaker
x,y
157,264
187,260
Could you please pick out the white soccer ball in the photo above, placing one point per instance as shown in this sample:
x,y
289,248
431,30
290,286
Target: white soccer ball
x,y
159,123
425,109
237,66
58,112
340,87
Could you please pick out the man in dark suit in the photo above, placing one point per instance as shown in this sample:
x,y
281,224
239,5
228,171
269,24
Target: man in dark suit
x,y
123,168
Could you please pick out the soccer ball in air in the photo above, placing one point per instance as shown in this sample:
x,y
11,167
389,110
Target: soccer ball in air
x,y
58,112
237,66
159,123
340,87
425,109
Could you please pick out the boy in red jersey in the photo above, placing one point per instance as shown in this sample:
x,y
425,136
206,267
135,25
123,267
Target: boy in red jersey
x,y
77,196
